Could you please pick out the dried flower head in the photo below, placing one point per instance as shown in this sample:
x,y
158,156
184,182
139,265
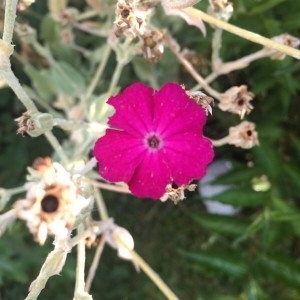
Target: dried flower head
x,y
25,124
243,135
130,18
285,39
152,46
202,99
221,9
175,193
156,138
237,100
52,203
35,124
113,235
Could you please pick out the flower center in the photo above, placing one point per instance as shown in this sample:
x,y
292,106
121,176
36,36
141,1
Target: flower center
x,y
241,102
153,141
49,204
249,132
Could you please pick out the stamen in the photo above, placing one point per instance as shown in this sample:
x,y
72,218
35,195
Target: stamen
x,y
153,142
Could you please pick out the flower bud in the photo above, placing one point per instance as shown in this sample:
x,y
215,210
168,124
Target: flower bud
x,y
35,124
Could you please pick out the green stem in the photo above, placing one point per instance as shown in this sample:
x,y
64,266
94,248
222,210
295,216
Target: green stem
x,y
80,283
16,190
87,15
14,83
216,46
95,263
101,205
69,124
115,79
9,20
56,146
221,142
98,74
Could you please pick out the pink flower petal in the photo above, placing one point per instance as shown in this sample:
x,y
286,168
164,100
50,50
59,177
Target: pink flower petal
x,y
151,177
175,112
118,154
188,155
158,139
134,109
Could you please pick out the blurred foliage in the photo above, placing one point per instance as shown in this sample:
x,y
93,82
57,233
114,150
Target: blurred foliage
x,y
253,255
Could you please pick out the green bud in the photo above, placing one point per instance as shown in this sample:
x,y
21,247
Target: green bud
x,y
39,123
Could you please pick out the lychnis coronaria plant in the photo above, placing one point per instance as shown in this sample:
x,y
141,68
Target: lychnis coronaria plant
x,y
155,139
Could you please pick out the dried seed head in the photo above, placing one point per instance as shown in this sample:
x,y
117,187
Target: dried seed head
x,y
237,100
221,9
52,202
152,46
202,99
130,18
34,125
243,135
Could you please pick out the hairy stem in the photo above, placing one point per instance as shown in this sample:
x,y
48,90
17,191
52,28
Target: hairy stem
x,y
9,20
98,74
221,142
15,85
101,205
216,46
248,35
80,283
114,81
176,50
95,263
56,146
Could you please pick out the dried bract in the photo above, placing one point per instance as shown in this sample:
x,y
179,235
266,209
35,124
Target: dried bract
x,y
176,194
237,100
243,135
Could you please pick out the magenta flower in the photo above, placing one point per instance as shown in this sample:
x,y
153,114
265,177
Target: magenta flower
x,y
156,139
